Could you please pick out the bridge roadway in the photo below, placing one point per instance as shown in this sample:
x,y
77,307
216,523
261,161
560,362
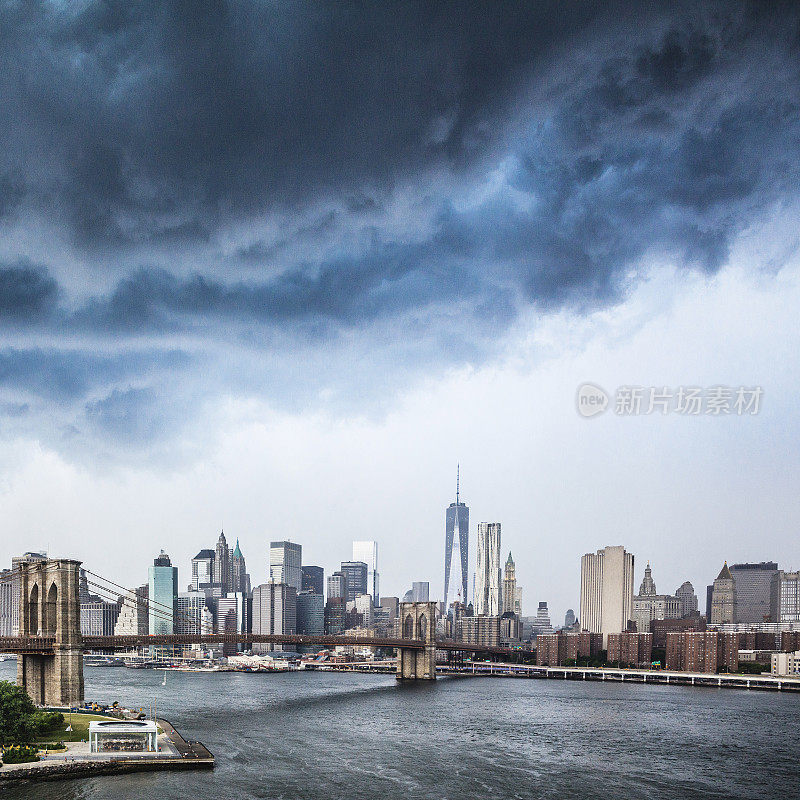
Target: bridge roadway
x,y
45,644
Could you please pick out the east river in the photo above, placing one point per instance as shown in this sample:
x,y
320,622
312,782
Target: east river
x,y
340,735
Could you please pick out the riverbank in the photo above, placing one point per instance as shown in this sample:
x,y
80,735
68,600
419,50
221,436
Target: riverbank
x,y
174,753
764,682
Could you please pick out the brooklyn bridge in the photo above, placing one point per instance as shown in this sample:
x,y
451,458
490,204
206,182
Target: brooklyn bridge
x,y
50,645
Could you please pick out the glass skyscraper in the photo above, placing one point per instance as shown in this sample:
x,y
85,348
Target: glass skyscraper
x,y
162,594
456,551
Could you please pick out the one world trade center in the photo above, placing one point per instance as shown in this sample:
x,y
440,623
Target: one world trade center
x,y
456,551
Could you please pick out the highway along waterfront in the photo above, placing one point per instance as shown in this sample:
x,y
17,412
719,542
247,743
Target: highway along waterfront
x,y
333,735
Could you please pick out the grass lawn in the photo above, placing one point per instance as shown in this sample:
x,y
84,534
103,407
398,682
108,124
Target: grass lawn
x,y
80,728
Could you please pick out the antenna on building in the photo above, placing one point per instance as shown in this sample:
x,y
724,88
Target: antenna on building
x,y
458,478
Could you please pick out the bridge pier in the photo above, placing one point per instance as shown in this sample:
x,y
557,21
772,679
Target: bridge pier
x,y
49,606
417,621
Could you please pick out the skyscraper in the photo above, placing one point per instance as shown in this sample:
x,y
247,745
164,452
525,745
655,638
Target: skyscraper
x,y
368,553
723,598
510,602
202,570
356,574
606,591
752,586
274,612
313,579
310,613
222,574
456,551
239,580
162,592
6,604
688,599
649,605
285,564
132,619
569,618
337,586
488,600
785,597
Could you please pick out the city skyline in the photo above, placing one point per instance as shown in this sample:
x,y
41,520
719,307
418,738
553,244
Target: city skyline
x,y
279,317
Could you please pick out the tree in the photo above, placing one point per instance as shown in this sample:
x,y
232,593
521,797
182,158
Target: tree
x,y
17,713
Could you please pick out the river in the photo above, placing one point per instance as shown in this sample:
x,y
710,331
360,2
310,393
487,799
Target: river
x,y
341,735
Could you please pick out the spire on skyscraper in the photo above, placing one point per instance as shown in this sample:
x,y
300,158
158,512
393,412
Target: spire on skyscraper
x,y
458,477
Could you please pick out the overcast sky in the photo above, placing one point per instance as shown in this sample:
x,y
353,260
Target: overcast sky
x,y
279,268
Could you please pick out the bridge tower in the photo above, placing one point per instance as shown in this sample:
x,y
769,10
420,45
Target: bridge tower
x,y
49,607
417,621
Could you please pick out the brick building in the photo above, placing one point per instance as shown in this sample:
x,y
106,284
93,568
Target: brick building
x,y
630,648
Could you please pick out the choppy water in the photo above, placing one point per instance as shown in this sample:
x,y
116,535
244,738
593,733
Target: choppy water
x,y
337,735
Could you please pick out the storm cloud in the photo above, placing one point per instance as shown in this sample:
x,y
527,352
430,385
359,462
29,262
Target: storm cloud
x,y
213,195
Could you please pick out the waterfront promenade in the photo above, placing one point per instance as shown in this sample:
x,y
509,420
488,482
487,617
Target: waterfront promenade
x,y
728,681
76,761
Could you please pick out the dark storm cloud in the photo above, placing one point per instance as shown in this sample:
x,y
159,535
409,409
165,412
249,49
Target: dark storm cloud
x,y
26,291
266,177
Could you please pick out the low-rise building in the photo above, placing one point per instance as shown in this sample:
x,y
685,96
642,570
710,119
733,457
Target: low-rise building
x,y
786,664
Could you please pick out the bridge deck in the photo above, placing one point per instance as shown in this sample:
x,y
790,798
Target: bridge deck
x,y
46,644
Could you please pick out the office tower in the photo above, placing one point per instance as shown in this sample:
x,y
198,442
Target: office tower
x,y
313,579
368,553
356,574
132,619
189,612
688,599
540,624
285,564
649,605
606,591
723,598
752,591
16,563
335,612
6,604
420,591
222,573
569,618
232,617
511,592
337,586
488,600
202,570
98,617
162,592
274,612
392,606
310,613
239,580
785,597
364,608
456,551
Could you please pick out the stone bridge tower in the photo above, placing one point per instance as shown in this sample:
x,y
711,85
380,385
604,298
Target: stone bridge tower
x,y
49,607
417,621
